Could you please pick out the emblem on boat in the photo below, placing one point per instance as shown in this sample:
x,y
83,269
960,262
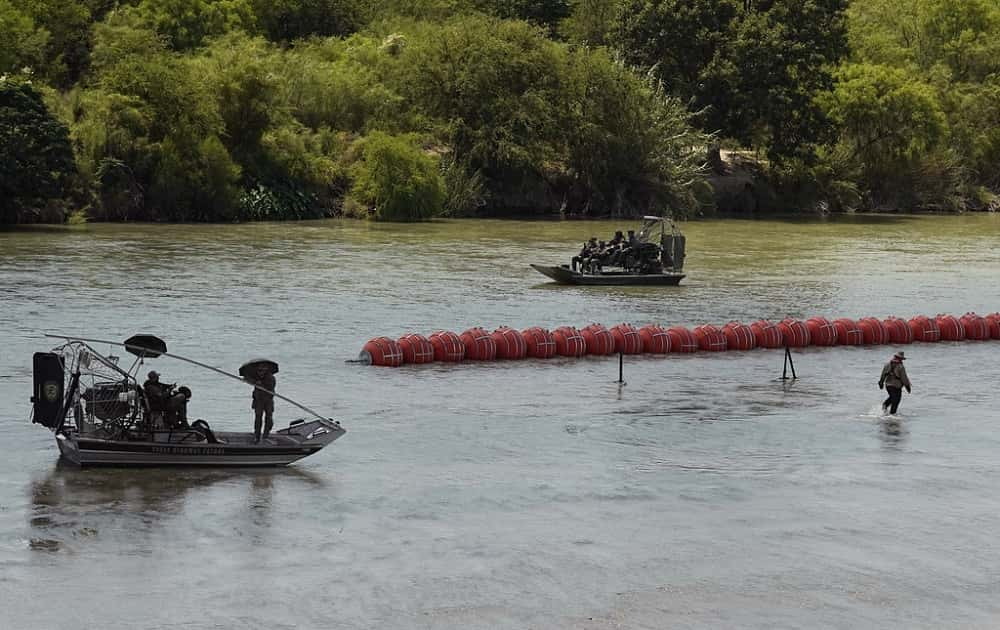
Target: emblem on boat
x,y
51,391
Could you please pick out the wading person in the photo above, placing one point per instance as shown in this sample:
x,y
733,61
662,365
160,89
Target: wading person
x,y
263,402
894,379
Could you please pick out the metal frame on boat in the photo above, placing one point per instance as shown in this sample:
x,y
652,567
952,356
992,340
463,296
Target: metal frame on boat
x,y
101,415
662,261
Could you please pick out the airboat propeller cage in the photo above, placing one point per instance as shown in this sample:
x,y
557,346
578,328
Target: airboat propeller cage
x,y
145,346
672,242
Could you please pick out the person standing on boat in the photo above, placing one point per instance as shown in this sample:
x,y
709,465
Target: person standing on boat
x,y
154,389
263,402
894,379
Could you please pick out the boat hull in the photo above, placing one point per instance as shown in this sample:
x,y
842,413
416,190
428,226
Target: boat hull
x,y
233,449
565,275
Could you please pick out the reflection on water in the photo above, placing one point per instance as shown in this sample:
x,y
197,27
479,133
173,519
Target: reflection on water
x,y
70,505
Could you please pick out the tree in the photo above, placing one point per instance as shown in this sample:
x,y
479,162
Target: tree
x,y
22,43
396,181
752,69
37,156
289,20
186,24
589,21
547,13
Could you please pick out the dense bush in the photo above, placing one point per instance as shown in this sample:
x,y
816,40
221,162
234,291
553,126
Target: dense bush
x,y
395,181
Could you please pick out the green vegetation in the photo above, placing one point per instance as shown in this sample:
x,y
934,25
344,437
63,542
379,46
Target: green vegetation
x,y
231,110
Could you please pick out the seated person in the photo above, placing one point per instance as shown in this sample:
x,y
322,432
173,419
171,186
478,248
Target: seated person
x,y
585,252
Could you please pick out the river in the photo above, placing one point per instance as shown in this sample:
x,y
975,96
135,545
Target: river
x,y
705,493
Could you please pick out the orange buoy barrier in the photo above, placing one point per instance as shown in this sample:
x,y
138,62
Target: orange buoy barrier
x,y
767,334
447,346
710,338
655,339
382,351
951,329
976,327
794,333
540,343
739,336
569,342
993,321
925,329
821,331
626,338
510,344
475,344
416,349
848,333
599,339
479,345
899,330
873,331
681,339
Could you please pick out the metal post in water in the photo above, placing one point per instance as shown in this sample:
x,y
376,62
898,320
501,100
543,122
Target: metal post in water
x,y
621,368
788,363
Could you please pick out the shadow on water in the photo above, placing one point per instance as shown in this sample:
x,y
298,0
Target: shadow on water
x,y
69,502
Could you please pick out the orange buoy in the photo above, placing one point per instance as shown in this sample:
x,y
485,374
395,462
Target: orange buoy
x,y
539,341
599,339
873,331
655,339
739,336
681,339
767,334
993,321
569,342
951,329
710,338
821,331
447,346
626,338
848,333
479,345
976,327
899,330
925,329
416,349
510,344
382,351
794,333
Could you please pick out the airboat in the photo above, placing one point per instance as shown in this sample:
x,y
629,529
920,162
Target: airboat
x,y
654,258
102,416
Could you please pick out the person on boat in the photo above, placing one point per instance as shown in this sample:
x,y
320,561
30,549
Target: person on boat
x,y
894,379
155,391
586,252
263,402
593,262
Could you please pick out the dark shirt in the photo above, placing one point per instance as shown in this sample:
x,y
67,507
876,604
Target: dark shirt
x,y
155,391
263,398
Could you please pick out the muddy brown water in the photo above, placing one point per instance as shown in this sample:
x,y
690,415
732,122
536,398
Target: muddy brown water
x,y
703,494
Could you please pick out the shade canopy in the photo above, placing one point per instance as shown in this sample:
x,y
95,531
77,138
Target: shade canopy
x,y
249,369
145,346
